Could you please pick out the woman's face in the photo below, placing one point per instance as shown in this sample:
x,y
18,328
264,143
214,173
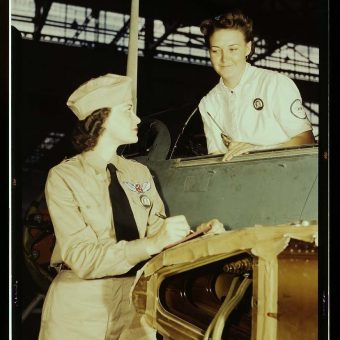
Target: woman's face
x,y
228,51
121,124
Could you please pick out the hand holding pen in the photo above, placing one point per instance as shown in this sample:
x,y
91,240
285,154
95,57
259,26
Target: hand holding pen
x,y
160,215
173,229
213,226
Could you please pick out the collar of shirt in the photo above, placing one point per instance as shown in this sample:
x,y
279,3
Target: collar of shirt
x,y
96,163
246,78
99,164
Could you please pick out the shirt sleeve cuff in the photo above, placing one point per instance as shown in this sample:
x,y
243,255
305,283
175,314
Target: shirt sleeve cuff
x,y
136,251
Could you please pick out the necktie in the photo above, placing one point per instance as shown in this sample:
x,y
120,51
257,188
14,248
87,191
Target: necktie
x,y
124,221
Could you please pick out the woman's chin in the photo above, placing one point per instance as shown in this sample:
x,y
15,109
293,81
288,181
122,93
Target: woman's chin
x,y
134,140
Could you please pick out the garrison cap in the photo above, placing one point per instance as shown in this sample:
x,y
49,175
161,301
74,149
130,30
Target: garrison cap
x,y
105,91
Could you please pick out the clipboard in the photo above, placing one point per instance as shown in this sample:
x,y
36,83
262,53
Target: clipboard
x,y
191,236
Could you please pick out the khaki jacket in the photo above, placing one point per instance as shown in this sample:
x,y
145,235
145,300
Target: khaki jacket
x,y
79,205
88,302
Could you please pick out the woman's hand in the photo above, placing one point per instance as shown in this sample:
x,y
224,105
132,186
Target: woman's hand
x,y
174,229
216,227
238,148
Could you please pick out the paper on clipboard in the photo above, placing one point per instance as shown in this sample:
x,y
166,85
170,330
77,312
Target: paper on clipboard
x,y
190,236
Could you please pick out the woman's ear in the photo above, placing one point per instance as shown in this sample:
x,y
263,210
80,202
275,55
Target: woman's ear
x,y
248,49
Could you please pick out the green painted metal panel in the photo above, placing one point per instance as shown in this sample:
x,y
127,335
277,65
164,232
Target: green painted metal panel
x,y
268,187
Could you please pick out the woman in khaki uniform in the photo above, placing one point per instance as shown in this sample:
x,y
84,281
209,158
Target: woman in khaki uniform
x,y
89,298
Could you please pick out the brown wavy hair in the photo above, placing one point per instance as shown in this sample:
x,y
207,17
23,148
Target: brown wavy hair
x,y
234,19
86,132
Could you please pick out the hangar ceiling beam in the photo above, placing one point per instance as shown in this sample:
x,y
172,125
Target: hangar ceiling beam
x,y
270,47
42,8
82,27
169,29
120,34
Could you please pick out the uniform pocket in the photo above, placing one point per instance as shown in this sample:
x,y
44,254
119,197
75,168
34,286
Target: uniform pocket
x,y
96,216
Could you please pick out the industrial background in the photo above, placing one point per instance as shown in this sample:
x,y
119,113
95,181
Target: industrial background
x,y
57,45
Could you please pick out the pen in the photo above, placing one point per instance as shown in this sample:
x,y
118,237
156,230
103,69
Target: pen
x,y
226,139
160,215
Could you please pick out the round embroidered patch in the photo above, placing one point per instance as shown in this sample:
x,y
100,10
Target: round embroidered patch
x,y
258,104
145,200
297,109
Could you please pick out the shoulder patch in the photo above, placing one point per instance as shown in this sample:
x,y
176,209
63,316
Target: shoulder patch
x,y
296,108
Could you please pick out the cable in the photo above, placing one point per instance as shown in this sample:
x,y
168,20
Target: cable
x,y
225,302
228,308
181,133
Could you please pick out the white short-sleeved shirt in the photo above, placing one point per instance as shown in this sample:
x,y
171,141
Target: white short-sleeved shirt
x,y
264,109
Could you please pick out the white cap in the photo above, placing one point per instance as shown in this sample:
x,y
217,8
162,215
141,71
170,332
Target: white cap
x,y
105,91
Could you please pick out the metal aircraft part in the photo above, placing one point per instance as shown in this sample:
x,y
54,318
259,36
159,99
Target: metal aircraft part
x,y
268,187
250,283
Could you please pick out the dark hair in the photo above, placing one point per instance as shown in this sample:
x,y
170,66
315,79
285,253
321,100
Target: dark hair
x,y
232,20
86,133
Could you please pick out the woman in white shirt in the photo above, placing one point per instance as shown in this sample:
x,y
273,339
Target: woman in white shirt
x,y
256,108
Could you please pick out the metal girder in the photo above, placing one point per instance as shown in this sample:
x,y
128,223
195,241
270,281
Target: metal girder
x,y
311,110
42,8
169,29
120,33
82,27
269,16
271,47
